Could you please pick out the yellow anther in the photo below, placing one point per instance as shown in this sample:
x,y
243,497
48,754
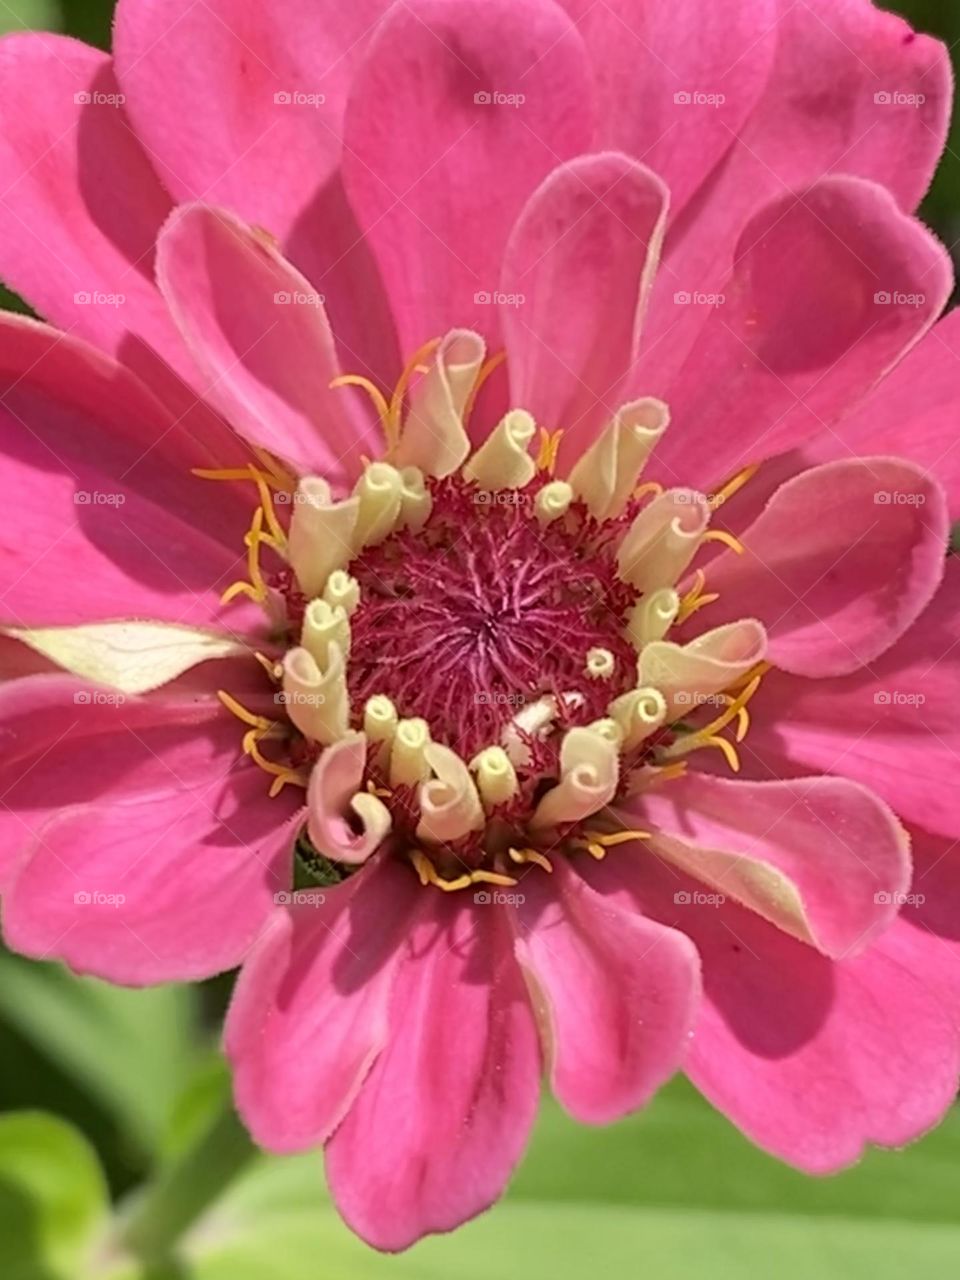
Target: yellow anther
x,y
667,772
694,598
391,425
273,668
491,877
734,485
728,539
549,448
486,369
610,840
372,390
727,748
649,486
241,712
531,855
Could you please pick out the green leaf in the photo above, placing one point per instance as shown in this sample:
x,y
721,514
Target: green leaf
x,y
130,1050
34,15
676,1189
53,1201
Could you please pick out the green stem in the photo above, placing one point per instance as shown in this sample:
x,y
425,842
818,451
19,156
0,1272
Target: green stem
x,y
166,1208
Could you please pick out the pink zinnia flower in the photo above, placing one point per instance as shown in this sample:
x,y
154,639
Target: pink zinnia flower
x,y
487,680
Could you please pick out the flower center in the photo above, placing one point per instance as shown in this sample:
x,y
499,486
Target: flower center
x,y
486,610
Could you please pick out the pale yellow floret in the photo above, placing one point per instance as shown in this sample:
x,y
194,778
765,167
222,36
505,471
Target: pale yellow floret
x,y
379,493
496,776
324,625
450,806
434,438
503,460
639,713
316,697
589,768
690,675
380,722
652,616
322,532
553,501
600,664
415,500
408,761
608,728
605,476
342,591
663,539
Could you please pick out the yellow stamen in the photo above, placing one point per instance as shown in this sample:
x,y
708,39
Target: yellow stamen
x,y
273,668
531,855
728,540
486,369
666,772
727,748
372,390
241,712
734,485
695,598
649,486
549,448
612,839
491,877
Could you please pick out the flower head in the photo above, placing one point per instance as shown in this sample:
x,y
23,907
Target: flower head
x,y
529,647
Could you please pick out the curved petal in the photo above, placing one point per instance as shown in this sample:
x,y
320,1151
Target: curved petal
x,y
811,1058
309,1013
486,100
260,334
822,858
462,1051
80,212
852,90
892,726
618,994
703,69
910,413
255,126
336,805
147,851
841,562
578,265
830,287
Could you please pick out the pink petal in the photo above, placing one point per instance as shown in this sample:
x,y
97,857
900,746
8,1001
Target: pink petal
x,y
260,334
829,288
822,858
438,208
444,1114
309,1014
103,518
619,994
81,208
703,68
820,114
255,126
909,413
148,849
811,1058
892,726
841,562
580,260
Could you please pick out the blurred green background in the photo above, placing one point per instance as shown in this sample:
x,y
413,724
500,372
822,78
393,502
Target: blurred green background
x,y
102,1090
